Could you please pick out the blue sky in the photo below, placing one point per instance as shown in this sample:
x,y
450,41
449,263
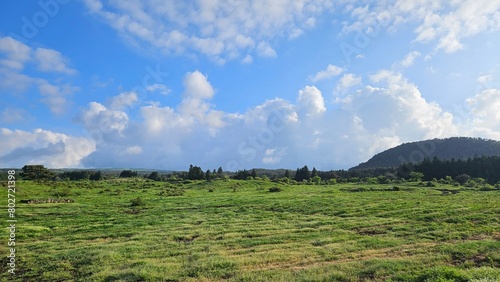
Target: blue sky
x,y
271,84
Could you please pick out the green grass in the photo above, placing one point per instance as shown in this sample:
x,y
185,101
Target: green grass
x,y
242,232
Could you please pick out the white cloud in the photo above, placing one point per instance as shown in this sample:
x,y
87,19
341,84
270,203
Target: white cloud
x,y
347,81
311,101
15,55
197,86
265,50
409,59
15,115
50,60
104,122
329,72
123,101
247,60
55,150
486,116
55,96
444,23
160,88
219,29
383,112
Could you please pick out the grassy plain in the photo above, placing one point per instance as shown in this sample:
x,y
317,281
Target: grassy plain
x,y
239,231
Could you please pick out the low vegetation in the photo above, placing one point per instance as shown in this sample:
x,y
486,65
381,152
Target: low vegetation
x,y
141,229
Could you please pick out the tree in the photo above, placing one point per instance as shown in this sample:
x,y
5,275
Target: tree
x,y
154,176
96,176
287,174
128,174
36,172
208,175
416,176
220,172
462,179
195,173
314,172
254,173
302,174
316,180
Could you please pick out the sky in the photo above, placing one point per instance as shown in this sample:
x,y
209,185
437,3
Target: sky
x,y
162,84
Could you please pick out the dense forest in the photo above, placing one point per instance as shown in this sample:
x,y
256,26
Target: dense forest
x,y
487,168
458,148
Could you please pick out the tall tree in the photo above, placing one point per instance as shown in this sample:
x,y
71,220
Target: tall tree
x,y
302,174
36,172
96,175
314,172
195,173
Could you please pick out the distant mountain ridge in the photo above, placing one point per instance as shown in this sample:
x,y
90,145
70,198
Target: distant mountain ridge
x,y
444,149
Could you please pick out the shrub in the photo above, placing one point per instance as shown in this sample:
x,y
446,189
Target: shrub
x,y
462,179
275,189
63,193
137,202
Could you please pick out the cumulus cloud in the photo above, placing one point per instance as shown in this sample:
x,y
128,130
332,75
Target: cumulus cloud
x,y
276,133
55,150
486,117
380,113
347,81
311,101
329,72
123,101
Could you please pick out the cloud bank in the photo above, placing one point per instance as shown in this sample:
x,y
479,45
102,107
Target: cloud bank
x,y
384,112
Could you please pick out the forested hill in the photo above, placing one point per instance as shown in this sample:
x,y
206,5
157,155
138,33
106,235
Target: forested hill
x,y
444,149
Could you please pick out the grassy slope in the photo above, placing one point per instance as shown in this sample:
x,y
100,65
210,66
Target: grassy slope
x,y
242,232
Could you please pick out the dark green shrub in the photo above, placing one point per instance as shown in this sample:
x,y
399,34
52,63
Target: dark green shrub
x,y
275,189
137,202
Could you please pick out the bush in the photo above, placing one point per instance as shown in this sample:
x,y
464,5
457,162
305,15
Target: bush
x,y
137,202
65,192
275,189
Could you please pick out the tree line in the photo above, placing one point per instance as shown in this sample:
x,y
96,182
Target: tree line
x,y
487,168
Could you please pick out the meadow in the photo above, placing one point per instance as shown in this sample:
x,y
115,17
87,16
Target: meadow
x,y
253,230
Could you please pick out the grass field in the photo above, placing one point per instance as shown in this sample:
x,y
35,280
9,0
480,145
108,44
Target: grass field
x,y
239,231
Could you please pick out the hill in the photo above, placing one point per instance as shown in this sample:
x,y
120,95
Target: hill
x,y
444,149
